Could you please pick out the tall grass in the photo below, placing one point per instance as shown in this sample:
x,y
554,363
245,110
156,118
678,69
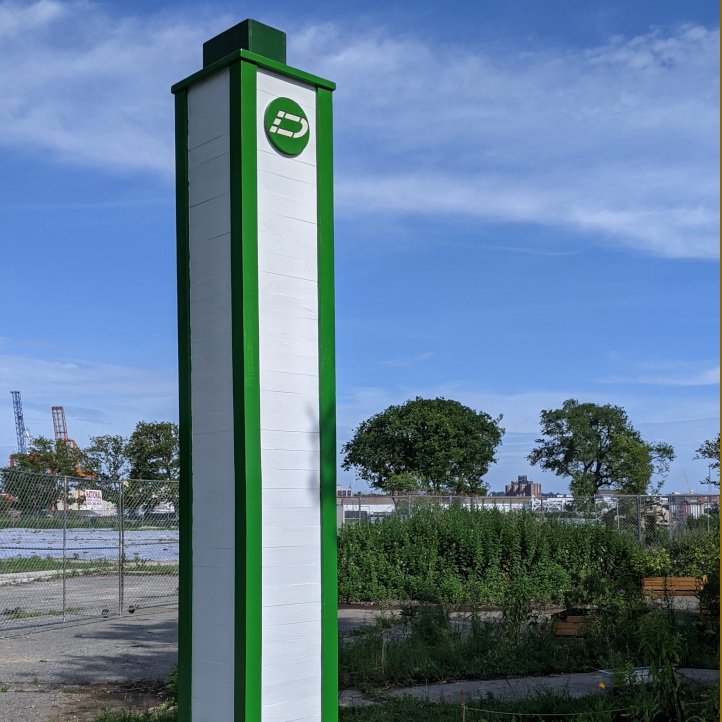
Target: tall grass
x,y
457,556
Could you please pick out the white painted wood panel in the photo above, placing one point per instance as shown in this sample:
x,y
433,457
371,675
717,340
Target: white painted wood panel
x,y
213,535
288,355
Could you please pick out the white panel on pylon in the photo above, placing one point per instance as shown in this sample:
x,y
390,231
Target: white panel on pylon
x,y
213,606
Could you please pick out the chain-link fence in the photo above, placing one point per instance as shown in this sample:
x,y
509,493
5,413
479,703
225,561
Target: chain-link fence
x,y
75,548
648,519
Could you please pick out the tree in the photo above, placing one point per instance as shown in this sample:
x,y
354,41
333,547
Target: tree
x,y
152,450
46,456
31,492
107,461
153,455
106,457
436,445
595,446
709,450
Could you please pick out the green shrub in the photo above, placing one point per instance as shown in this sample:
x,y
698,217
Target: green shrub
x,y
463,557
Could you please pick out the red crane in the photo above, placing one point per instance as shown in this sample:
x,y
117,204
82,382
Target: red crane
x,y
60,429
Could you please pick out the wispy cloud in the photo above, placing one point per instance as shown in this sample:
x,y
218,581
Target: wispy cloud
x,y
617,143
406,361
99,398
93,88
669,374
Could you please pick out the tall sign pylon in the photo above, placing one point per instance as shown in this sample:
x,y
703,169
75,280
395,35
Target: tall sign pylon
x,y
257,626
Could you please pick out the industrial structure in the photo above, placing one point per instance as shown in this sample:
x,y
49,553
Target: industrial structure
x,y
21,431
60,433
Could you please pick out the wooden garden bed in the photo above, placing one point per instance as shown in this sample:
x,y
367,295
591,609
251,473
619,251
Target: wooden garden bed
x,y
673,586
570,623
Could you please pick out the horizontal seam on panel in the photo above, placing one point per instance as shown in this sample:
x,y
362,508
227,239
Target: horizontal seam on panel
x,y
211,238
294,180
206,142
290,160
286,275
208,160
208,200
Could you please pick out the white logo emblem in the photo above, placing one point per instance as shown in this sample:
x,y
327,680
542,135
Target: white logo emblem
x,y
275,128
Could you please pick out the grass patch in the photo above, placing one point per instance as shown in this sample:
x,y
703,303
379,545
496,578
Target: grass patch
x,y
425,647
135,716
697,704
18,613
14,565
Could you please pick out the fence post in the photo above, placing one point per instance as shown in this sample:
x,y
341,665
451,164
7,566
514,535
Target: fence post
x,y
65,539
616,501
121,547
639,519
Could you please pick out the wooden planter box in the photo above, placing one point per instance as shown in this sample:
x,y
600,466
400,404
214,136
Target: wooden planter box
x,y
570,623
673,586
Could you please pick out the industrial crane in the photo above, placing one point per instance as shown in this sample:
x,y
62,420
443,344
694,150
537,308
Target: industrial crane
x,y
60,429
22,433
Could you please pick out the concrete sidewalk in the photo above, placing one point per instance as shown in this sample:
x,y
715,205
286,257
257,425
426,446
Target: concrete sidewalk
x,y
576,685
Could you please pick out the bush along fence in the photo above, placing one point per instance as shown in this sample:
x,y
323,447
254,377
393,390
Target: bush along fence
x,y
646,518
469,557
79,548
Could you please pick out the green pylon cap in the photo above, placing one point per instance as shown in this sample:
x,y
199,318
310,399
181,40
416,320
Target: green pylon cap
x,y
247,35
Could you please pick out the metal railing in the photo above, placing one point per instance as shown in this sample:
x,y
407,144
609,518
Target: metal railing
x,y
77,548
648,518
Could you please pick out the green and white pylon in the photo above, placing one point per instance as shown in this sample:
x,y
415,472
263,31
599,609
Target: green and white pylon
x,y
257,622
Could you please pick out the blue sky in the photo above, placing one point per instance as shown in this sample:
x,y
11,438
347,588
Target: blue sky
x,y
526,199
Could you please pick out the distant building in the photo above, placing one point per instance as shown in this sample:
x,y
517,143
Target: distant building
x,y
342,493
522,487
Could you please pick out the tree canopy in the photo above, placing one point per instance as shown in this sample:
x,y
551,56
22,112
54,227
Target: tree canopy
x,y
596,446
709,450
433,445
47,456
152,450
106,457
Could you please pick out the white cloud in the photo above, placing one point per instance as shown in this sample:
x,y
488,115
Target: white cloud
x,y
406,361
98,398
670,374
17,18
618,143
91,88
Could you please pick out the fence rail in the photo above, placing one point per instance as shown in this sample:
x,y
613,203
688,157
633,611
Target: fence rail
x,y
75,548
647,518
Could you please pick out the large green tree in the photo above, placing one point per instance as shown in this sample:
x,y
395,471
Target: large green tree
x,y
40,490
153,455
709,450
106,458
47,456
31,492
595,446
435,445
152,450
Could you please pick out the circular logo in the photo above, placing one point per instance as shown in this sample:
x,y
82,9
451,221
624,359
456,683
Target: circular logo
x,y
286,126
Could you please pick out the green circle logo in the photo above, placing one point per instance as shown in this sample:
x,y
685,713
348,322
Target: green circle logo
x,y
286,126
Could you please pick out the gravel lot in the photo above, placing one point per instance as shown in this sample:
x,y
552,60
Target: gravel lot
x,y
71,672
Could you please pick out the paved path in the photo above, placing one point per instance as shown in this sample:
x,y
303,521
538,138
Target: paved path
x,y
54,673
576,685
